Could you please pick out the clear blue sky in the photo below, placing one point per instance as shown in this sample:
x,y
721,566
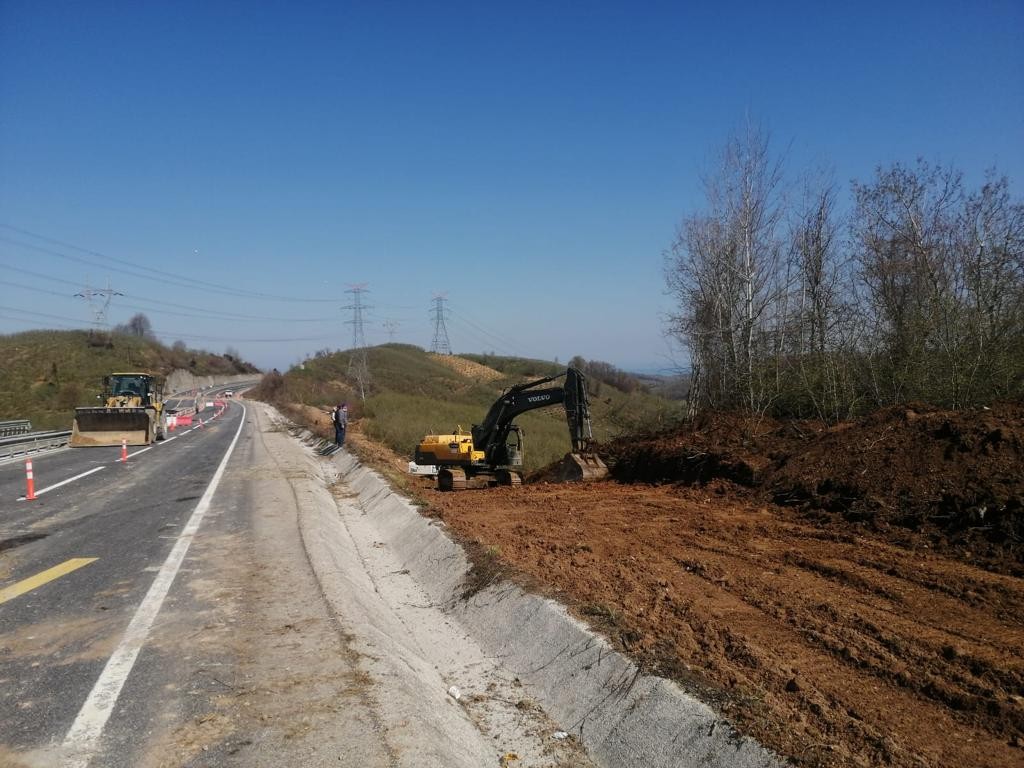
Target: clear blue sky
x,y
530,160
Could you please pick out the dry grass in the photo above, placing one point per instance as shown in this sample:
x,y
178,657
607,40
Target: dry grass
x,y
413,393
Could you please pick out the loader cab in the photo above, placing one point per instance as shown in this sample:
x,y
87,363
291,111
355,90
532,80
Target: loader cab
x,y
130,385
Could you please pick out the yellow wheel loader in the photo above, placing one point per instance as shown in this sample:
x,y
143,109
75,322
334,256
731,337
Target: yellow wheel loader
x,y
492,453
132,411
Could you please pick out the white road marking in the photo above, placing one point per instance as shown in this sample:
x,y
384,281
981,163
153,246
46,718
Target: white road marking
x,y
166,440
83,737
64,482
136,453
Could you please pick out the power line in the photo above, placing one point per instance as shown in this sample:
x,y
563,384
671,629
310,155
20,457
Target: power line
x,y
106,258
213,313
175,334
177,281
103,256
502,342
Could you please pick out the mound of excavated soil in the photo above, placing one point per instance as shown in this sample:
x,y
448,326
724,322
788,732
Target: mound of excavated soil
x,y
957,477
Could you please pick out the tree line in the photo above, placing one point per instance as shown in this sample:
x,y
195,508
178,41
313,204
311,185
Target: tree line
x,y
788,306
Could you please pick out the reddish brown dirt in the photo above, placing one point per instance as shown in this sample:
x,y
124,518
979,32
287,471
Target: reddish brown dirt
x,y
874,619
956,478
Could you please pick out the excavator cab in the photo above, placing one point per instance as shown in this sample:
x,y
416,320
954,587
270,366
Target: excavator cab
x,y
514,447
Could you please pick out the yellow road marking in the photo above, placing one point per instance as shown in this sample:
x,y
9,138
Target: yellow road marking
x,y
27,585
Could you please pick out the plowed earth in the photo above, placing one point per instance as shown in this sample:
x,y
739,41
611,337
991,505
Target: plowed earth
x,y
874,617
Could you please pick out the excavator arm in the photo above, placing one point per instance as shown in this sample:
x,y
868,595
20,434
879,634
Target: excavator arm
x,y
492,434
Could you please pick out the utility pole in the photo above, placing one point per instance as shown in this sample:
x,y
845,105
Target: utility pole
x,y
358,368
99,302
440,345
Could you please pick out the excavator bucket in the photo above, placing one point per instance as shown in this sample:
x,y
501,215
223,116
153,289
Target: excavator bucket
x,y
109,426
582,467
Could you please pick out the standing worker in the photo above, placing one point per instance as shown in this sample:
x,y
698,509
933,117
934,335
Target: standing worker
x,y
340,423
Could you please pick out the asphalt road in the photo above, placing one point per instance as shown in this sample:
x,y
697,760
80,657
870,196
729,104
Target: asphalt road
x,y
223,599
75,565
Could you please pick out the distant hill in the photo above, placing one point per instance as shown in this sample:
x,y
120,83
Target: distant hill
x,y
412,393
46,374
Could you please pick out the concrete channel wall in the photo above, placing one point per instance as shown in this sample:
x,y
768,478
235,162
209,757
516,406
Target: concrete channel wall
x,y
624,718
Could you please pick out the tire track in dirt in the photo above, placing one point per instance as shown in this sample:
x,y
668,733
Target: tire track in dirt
x,y
835,649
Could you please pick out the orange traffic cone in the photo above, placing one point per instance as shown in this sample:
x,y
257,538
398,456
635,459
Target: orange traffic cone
x,y
124,450
30,494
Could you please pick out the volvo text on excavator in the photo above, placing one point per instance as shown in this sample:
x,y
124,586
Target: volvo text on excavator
x,y
132,411
493,451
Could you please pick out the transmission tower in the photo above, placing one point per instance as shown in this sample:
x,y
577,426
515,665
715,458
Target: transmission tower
x,y
99,302
358,368
391,326
440,344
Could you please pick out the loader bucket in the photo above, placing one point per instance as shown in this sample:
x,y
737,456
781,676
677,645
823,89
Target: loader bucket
x,y
582,467
109,426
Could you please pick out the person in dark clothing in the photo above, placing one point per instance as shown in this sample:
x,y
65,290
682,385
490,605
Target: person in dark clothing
x,y
340,423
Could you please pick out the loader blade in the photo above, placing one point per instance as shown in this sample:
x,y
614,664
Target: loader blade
x,y
109,426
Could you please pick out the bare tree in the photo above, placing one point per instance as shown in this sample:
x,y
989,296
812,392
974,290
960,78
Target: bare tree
x,y
923,301
726,271
822,337
990,284
903,231
138,325
943,277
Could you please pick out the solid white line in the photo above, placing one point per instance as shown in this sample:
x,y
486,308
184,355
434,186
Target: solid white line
x,y
166,440
84,735
65,482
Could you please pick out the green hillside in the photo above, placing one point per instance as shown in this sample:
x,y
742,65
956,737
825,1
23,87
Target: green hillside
x,y
412,393
45,374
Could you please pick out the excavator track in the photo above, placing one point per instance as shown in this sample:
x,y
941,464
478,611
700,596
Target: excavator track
x,y
451,479
508,477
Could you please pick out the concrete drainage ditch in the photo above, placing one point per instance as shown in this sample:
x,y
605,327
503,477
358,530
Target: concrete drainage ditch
x,y
622,717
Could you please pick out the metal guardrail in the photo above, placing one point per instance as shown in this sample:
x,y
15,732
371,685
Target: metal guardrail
x,y
15,427
32,443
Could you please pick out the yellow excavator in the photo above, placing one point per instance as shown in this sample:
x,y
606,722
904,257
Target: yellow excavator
x,y
132,411
492,452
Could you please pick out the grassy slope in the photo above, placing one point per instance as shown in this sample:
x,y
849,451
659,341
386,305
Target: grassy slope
x,y
45,374
413,394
